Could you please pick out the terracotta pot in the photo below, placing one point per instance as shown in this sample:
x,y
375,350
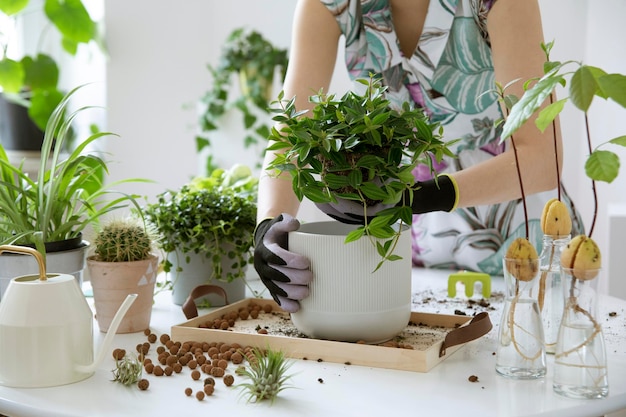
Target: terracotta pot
x,y
347,300
113,281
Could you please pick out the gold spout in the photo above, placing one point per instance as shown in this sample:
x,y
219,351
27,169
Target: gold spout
x,y
28,251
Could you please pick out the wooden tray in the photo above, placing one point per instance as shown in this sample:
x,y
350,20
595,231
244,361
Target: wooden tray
x,y
421,359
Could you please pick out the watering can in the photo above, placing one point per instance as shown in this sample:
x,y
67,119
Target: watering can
x,y
46,329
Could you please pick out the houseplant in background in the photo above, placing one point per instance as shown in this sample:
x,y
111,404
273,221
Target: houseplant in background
x,y
205,230
29,80
53,210
256,62
123,263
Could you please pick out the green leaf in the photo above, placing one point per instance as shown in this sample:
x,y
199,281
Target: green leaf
x,y
583,87
602,166
42,105
335,181
41,73
354,235
355,178
529,103
202,143
72,19
11,7
373,191
620,140
614,86
11,75
549,113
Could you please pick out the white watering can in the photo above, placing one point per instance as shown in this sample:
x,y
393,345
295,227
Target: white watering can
x,y
46,329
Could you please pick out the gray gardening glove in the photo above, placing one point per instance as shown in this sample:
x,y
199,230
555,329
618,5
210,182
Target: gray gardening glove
x,y
285,274
351,211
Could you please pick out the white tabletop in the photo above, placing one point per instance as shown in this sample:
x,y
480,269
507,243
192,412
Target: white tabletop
x,y
332,389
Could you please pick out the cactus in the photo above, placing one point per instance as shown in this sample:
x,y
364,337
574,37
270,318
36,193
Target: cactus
x,y
123,240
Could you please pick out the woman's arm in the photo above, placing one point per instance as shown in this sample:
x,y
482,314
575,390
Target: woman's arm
x,y
315,36
516,34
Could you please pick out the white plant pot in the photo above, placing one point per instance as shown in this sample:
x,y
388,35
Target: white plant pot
x,y
347,300
196,270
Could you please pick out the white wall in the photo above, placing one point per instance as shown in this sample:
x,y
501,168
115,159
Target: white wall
x,y
157,68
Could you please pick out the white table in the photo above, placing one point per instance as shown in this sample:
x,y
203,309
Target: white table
x,y
344,390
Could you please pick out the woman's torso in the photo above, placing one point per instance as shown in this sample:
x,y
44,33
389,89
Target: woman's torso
x,y
447,76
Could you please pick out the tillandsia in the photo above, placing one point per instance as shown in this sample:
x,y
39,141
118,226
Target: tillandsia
x,y
128,370
267,371
356,148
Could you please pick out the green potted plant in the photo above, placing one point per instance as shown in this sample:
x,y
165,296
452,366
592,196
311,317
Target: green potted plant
x,y
29,82
255,61
356,148
206,232
123,262
52,211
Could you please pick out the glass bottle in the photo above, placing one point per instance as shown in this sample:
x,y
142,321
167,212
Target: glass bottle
x,y
580,366
521,352
550,296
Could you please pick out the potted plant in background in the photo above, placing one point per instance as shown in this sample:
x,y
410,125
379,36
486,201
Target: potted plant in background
x,y
123,263
256,62
206,230
52,211
355,148
29,82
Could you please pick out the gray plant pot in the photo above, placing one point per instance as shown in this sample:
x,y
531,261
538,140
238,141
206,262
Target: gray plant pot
x,y
64,262
197,271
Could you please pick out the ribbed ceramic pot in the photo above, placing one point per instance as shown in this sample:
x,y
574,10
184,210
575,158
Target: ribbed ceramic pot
x,y
348,301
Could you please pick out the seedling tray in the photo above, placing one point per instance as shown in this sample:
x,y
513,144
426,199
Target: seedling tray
x,y
421,341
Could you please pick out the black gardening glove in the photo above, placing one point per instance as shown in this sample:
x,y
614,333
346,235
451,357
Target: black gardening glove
x,y
285,274
434,195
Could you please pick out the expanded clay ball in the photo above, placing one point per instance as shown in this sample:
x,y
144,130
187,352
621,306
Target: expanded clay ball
x,y
229,380
195,375
209,389
188,392
143,384
118,354
200,395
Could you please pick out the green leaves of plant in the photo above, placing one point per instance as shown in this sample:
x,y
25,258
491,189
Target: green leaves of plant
x,y
72,20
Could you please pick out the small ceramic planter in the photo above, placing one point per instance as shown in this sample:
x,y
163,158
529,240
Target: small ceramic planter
x,y
347,300
113,281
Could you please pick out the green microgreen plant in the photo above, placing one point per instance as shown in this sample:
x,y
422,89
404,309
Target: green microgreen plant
x,y
356,148
206,213
267,371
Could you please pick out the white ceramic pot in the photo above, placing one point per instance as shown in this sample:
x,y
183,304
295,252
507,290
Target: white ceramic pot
x,y
195,270
347,300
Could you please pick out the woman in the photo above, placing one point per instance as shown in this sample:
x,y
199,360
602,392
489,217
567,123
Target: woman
x,y
441,55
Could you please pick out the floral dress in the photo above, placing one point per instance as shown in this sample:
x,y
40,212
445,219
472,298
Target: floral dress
x,y
446,76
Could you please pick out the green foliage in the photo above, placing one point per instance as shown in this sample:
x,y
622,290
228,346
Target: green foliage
x,y
128,370
68,194
356,148
254,60
215,216
585,83
267,371
123,240
32,80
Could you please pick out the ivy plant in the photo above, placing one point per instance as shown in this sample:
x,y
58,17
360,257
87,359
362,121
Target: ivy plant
x,y
206,213
254,61
358,148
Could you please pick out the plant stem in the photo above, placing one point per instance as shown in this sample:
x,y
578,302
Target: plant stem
x,y
593,183
556,154
521,186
